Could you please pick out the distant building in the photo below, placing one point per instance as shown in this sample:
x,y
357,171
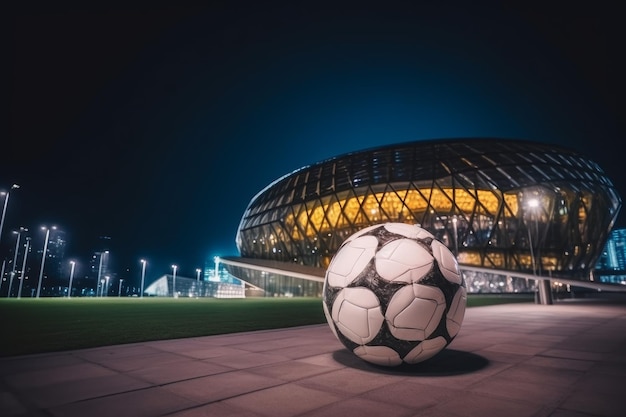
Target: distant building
x,y
611,267
506,205
167,286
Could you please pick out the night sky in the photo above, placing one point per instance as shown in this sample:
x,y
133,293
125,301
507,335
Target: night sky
x,y
156,126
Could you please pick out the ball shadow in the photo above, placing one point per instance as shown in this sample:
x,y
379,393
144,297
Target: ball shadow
x,y
445,363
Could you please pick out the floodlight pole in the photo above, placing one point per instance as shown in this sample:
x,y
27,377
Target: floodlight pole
x,y
174,267
4,261
545,293
456,237
69,288
17,246
43,258
19,291
100,273
143,275
4,209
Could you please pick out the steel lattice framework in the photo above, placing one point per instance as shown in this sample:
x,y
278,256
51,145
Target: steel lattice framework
x,y
497,203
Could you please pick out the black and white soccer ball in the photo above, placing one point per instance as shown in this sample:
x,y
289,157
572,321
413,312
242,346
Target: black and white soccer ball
x,y
394,294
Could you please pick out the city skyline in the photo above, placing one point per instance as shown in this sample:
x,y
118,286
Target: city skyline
x,y
156,126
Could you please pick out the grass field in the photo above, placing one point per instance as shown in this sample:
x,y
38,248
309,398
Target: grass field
x,y
36,325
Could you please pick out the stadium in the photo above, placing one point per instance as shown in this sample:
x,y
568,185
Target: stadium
x,y
517,208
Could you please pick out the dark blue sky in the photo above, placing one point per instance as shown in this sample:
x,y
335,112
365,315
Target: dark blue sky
x,y
156,126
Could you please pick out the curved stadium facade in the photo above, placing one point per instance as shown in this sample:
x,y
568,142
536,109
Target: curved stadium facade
x,y
501,204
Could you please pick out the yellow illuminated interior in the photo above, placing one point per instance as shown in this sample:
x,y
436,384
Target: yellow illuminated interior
x,y
322,218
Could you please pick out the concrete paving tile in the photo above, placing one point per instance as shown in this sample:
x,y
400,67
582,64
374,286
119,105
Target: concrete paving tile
x,y
324,359
246,360
610,368
478,405
10,406
274,344
216,409
568,413
142,403
515,348
159,373
127,363
540,340
414,394
79,390
510,358
349,381
303,351
284,400
573,354
212,352
559,363
107,354
222,386
291,370
594,404
514,389
548,377
359,406
38,362
57,375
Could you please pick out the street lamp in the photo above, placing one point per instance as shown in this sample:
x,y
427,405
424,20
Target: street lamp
x,y
143,275
456,237
43,257
69,288
532,204
106,287
4,209
4,261
545,292
119,291
19,291
17,246
198,270
100,271
174,267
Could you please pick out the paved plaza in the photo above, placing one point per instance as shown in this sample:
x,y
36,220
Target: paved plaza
x,y
515,360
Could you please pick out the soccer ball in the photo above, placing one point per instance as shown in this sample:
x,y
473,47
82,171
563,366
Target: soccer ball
x,y
394,294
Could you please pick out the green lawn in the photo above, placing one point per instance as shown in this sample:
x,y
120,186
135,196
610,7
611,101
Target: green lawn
x,y
31,325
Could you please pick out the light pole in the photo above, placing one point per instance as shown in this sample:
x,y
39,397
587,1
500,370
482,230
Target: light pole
x,y
532,204
106,287
4,209
43,257
4,261
69,288
545,293
17,246
19,291
100,271
143,275
198,270
119,290
456,237
174,267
